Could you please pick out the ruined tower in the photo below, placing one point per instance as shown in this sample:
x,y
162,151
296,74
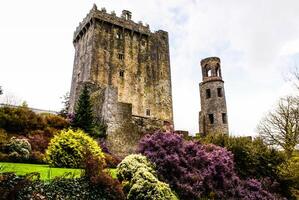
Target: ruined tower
x,y
128,69
213,114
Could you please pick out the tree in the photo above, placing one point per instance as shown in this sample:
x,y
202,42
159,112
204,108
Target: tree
x,y
281,126
1,91
83,112
66,105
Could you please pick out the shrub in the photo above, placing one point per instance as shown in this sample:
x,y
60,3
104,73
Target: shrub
x,y
67,148
253,159
100,181
130,164
17,187
140,180
55,121
194,170
145,185
20,119
289,174
111,160
40,139
3,137
19,147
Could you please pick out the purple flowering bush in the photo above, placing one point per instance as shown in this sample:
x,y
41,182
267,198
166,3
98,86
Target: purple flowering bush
x,y
197,171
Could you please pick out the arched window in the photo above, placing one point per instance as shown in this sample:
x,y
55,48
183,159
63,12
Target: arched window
x,y
218,70
209,72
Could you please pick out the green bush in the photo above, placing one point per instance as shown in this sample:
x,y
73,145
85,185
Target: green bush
x,y
20,119
19,147
253,159
55,121
140,180
145,185
289,173
130,164
68,147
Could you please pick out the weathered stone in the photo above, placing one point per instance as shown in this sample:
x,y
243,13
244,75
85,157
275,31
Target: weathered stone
x,y
213,114
128,68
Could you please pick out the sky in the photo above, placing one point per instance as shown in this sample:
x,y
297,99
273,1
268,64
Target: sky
x,y
256,40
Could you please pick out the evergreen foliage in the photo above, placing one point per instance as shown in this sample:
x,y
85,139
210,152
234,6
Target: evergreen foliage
x,y
66,105
83,118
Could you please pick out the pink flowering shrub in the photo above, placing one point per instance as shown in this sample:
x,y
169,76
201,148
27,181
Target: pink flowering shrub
x,y
197,171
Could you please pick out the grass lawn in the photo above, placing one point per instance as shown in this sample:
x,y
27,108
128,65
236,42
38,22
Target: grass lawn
x,y
46,172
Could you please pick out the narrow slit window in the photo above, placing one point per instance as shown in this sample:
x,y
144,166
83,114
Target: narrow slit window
x,y
224,118
219,92
208,93
148,112
211,118
122,73
120,56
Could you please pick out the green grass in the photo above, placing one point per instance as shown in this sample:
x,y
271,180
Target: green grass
x,y
46,172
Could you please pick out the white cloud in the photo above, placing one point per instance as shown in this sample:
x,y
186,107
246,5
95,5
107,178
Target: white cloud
x,y
254,39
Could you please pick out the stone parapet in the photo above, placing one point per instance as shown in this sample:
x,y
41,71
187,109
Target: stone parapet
x,y
111,18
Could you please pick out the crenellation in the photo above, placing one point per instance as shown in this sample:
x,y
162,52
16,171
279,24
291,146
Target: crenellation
x,y
123,21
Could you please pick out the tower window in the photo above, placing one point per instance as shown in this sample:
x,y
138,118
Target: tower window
x,y
219,92
148,112
211,118
120,56
209,72
208,93
218,70
119,36
121,73
224,118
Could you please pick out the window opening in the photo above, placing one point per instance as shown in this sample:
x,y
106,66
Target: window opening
x,y
224,118
208,93
219,92
211,118
148,112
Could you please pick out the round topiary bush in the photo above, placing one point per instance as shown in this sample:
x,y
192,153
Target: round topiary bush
x,y
68,147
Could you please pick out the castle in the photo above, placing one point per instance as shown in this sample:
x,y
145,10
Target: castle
x,y
127,69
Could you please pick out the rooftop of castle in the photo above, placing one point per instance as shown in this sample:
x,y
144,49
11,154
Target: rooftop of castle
x,y
124,21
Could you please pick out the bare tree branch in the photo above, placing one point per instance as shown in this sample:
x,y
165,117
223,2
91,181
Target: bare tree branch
x,y
281,126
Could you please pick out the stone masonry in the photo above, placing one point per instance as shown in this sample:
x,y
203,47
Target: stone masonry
x,y
213,114
128,69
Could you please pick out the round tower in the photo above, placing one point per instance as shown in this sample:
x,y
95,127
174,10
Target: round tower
x,y
213,114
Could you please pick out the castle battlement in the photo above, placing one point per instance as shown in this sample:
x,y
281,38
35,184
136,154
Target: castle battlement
x,y
123,21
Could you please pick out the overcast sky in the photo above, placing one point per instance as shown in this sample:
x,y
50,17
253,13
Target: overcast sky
x,y
257,41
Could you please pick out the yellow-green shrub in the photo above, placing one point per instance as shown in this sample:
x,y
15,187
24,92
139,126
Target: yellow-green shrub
x,y
68,148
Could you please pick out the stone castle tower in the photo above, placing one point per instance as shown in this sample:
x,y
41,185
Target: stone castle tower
x,y
128,70
213,114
